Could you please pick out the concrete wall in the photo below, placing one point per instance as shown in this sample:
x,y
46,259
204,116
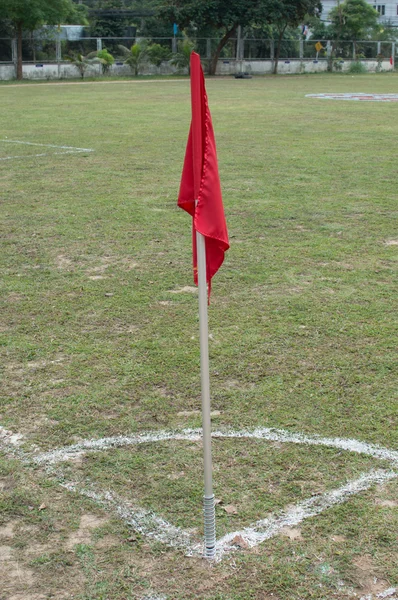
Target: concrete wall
x,y
51,71
7,72
66,70
290,67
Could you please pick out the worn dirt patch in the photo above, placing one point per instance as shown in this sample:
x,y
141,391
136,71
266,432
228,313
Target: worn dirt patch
x,y
7,530
195,413
293,533
5,553
14,297
387,503
19,574
128,264
27,596
339,539
11,571
88,522
108,541
63,262
39,549
366,577
391,243
187,289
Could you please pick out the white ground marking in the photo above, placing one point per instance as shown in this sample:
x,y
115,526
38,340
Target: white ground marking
x,y
141,520
65,149
265,529
390,593
360,96
155,527
261,433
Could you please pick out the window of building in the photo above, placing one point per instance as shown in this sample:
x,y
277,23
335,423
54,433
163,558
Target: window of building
x,y
381,9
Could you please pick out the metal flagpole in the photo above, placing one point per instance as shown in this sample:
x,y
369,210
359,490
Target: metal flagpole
x,y
197,147
208,499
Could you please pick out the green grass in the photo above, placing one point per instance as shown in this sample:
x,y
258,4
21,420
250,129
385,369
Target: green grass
x,y
303,321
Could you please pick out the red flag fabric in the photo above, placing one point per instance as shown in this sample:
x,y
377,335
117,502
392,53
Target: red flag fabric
x,y
200,190
391,60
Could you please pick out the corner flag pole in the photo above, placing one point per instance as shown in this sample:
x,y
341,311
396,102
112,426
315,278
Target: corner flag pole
x,y
197,124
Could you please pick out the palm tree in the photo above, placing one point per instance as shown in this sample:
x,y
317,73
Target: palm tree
x,y
182,58
82,63
134,57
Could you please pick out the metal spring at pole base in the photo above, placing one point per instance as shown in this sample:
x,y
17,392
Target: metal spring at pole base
x,y
210,526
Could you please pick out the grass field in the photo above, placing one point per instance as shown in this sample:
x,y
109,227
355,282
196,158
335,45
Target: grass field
x,y
99,334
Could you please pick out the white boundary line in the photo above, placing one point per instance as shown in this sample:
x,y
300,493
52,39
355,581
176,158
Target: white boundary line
x,y
260,433
141,520
265,529
390,593
67,149
155,527
356,97
151,525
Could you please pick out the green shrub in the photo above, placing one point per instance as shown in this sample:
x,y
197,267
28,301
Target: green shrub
x,y
106,59
338,65
357,67
158,54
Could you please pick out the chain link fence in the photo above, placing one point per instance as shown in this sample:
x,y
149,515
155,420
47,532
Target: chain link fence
x,y
6,54
52,49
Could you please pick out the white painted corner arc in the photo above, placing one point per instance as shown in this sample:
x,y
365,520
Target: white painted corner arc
x,y
260,433
47,145
141,520
265,529
156,527
61,149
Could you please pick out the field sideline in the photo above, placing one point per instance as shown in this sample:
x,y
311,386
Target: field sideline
x,y
99,339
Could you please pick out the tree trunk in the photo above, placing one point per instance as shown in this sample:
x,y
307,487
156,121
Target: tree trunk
x,y
278,51
222,43
19,50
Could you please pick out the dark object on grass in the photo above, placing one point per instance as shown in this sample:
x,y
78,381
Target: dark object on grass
x,y
243,76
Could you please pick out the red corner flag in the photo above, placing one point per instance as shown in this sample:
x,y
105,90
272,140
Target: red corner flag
x,y
200,191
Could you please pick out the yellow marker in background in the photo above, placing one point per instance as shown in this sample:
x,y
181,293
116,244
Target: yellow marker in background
x,y
318,48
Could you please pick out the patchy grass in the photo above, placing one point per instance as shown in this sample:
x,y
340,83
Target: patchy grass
x,y
303,324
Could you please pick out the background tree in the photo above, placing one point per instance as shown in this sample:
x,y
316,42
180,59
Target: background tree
x,y
108,24
283,14
28,16
123,18
222,16
318,28
353,20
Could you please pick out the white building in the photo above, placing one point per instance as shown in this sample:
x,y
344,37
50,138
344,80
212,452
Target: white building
x,y
388,11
